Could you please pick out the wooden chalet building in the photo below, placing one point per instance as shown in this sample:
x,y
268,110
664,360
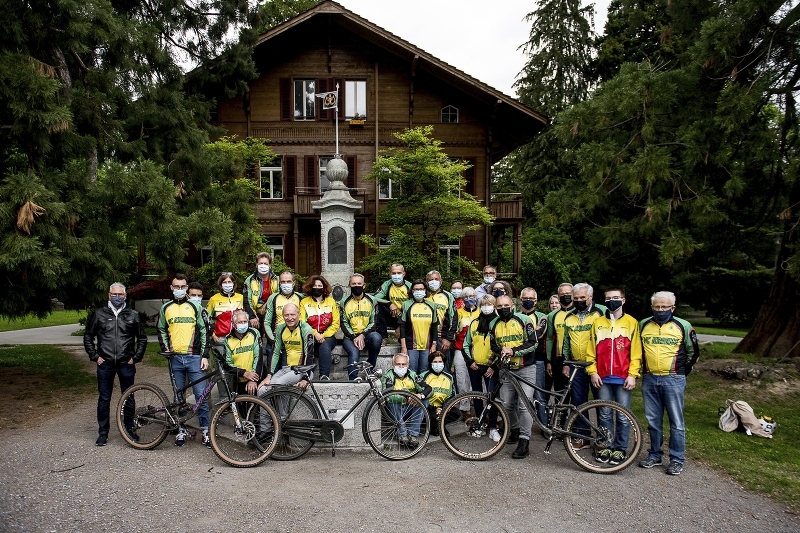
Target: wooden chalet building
x,y
386,84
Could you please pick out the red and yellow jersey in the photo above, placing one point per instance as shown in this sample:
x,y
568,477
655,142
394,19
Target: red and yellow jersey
x,y
219,303
419,324
322,316
465,318
615,348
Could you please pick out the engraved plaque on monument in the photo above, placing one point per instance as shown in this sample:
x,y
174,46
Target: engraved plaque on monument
x,y
337,246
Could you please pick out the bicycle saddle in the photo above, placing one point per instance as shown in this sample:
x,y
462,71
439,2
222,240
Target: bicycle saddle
x,y
305,369
578,363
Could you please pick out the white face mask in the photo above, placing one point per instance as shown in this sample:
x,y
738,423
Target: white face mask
x,y
456,293
437,367
397,279
487,309
227,287
197,299
263,269
242,328
434,284
286,288
418,295
488,280
400,371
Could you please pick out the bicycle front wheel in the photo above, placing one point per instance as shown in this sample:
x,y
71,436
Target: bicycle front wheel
x,y
244,432
473,441
292,407
143,419
396,425
612,437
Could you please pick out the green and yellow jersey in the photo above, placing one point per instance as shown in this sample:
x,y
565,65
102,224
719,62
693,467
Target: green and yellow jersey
x,y
442,301
396,294
257,292
578,332
244,354
357,315
670,348
517,333
441,385
292,347
181,328
419,323
274,311
477,346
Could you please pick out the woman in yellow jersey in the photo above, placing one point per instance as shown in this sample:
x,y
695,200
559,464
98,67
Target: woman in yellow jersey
x,y
321,312
222,305
478,356
441,384
419,328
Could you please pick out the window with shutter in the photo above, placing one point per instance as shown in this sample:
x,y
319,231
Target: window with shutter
x,y
469,175
311,171
290,175
351,171
286,98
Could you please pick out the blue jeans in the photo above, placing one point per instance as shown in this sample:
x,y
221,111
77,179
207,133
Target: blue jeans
x,y
616,393
409,417
541,397
372,342
189,365
665,393
418,360
478,380
580,395
324,355
105,386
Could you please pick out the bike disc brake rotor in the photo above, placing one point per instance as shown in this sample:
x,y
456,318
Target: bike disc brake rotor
x,y
246,432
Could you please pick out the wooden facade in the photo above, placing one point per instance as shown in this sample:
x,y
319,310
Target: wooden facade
x,y
392,85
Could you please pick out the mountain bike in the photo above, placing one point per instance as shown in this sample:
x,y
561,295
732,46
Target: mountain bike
x,y
243,430
389,422
586,430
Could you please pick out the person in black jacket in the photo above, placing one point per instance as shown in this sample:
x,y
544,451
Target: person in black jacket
x,y
121,343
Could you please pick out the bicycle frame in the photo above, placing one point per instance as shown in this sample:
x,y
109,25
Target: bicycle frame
x,y
180,396
552,428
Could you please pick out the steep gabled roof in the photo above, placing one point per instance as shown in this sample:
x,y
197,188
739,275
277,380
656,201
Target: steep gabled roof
x,y
402,48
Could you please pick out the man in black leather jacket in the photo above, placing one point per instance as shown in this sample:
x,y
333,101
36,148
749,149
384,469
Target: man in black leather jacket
x,y
121,343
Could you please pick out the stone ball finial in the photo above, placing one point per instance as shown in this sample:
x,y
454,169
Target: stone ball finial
x,y
336,170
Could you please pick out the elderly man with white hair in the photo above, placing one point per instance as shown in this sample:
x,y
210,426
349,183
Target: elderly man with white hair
x,y
670,351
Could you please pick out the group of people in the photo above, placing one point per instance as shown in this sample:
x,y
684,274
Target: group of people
x,y
450,341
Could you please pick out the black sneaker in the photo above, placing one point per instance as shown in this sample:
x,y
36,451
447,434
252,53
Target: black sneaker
x,y
650,462
603,456
180,438
522,449
206,440
101,440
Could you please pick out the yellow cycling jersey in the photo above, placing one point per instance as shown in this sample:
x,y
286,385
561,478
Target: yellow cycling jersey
x,y
442,385
254,297
578,334
555,333
293,343
357,315
477,346
418,322
243,353
219,303
322,316
274,311
517,333
181,328
670,348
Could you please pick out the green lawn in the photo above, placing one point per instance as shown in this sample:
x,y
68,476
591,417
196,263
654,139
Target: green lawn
x,y
713,330
58,368
56,318
769,466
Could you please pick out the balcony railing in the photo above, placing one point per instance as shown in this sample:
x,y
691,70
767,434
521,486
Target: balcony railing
x,y
303,196
507,206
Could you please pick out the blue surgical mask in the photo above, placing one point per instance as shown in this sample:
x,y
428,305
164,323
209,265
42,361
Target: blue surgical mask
x,y
400,371
179,294
227,287
198,299
437,367
470,302
662,316
286,288
418,295
397,279
456,293
434,284
242,328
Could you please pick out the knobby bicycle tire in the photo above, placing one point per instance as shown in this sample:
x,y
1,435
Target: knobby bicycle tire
x,y
250,441
143,419
589,455
297,407
390,419
473,441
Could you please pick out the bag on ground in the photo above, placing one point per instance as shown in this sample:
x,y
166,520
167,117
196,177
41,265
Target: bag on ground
x,y
739,415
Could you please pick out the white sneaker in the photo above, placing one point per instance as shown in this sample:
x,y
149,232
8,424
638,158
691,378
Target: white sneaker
x,y
494,435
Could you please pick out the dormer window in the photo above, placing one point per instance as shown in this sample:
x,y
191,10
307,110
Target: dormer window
x,y
450,114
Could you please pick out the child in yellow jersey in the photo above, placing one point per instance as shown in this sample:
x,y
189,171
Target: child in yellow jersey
x,y
441,384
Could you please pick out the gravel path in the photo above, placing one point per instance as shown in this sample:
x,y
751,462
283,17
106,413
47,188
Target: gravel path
x,y
53,479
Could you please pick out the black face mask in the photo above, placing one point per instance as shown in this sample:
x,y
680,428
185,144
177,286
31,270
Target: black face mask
x,y
582,305
505,312
356,291
528,304
565,299
613,305
316,292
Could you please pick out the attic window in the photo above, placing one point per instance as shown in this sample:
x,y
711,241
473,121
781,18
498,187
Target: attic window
x,y
450,114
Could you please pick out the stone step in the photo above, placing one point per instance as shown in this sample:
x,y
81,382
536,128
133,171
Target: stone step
x,y
339,371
